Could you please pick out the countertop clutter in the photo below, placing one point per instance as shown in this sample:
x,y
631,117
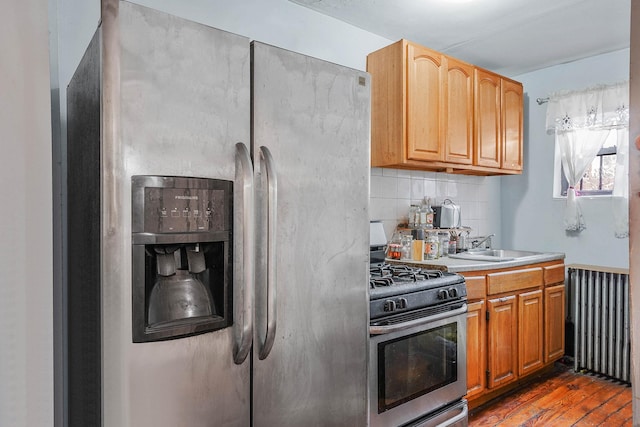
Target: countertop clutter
x,y
455,265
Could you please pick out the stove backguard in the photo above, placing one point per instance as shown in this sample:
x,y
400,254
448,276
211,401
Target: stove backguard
x,y
182,256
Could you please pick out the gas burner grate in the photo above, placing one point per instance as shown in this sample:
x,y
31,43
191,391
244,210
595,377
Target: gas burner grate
x,y
380,281
400,273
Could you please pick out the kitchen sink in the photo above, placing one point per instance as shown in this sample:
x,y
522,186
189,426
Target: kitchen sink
x,y
494,255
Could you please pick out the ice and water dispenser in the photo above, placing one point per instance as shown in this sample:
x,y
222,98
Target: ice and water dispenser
x,y
182,234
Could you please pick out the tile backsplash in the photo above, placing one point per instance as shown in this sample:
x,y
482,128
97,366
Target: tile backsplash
x,y
394,190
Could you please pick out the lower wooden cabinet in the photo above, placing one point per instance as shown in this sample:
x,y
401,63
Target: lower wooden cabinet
x,y
515,328
530,332
554,315
503,340
476,348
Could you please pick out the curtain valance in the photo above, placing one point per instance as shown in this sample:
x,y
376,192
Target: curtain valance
x,y
598,107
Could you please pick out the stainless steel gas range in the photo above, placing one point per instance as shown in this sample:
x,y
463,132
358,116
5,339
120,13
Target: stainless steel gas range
x,y
417,347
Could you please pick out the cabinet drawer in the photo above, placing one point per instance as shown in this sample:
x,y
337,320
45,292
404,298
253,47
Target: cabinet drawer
x,y
554,274
476,287
508,281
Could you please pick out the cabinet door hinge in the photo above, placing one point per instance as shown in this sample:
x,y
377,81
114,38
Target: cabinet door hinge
x,y
488,374
487,315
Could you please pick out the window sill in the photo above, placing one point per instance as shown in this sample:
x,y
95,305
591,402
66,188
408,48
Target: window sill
x,y
586,196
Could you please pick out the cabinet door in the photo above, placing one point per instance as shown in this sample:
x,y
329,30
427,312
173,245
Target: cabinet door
x,y
512,117
459,102
554,300
503,340
487,142
476,348
530,334
425,104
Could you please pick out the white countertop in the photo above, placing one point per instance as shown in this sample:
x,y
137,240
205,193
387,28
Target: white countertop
x,y
455,265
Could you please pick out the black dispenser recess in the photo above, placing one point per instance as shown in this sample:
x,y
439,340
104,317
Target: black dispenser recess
x,y
182,256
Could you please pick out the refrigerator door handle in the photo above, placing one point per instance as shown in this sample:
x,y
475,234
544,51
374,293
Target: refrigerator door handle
x,y
244,330
272,291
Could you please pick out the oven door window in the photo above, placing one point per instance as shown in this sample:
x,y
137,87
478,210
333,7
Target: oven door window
x,y
416,364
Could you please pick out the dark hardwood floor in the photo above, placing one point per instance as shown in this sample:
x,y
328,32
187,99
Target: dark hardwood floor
x,y
563,398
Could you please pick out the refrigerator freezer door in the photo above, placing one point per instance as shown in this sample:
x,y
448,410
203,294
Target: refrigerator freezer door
x,y
184,104
313,117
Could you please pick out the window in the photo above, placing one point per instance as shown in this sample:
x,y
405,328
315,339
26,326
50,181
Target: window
x,y
598,180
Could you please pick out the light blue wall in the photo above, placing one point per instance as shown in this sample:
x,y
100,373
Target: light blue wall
x,y
531,217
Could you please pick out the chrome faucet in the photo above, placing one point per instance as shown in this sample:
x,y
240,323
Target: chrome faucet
x,y
476,243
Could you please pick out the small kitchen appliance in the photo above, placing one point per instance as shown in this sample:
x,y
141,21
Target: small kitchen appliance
x,y
447,215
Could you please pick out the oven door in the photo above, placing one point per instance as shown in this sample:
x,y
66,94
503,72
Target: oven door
x,y
417,364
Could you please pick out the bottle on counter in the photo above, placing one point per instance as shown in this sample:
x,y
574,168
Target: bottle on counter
x,y
426,213
422,214
414,216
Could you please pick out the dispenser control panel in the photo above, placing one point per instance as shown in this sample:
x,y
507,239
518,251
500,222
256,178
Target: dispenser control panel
x,y
177,210
181,204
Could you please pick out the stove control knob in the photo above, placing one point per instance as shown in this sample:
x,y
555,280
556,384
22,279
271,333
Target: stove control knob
x,y
402,303
389,305
453,292
442,294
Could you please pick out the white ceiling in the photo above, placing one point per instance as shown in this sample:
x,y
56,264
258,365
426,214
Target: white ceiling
x,y
510,37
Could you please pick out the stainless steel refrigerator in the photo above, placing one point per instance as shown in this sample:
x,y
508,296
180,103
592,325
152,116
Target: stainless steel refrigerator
x,y
159,96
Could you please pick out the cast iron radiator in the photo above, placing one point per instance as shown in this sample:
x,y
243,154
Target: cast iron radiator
x,y
601,316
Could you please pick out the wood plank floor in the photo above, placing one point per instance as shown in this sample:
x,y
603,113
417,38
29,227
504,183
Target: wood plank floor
x,y
564,398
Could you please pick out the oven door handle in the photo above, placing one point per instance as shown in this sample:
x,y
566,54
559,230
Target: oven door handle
x,y
387,329
451,421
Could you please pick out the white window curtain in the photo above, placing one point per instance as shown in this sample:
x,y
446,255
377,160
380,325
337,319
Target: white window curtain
x,y
581,121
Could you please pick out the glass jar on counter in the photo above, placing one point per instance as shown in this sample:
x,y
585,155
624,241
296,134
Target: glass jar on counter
x,y
443,237
432,247
406,250
453,246
394,247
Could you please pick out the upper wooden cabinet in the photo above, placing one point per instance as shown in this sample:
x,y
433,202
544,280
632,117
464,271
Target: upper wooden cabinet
x,y
487,119
433,112
512,125
425,119
458,141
